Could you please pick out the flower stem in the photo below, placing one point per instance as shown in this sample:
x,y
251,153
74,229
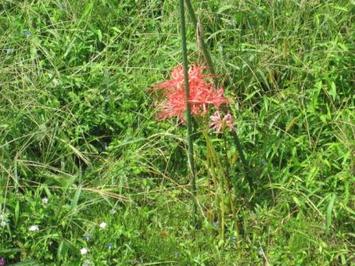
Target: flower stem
x,y
207,56
188,110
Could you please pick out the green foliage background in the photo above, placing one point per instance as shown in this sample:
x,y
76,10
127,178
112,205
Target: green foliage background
x,y
77,126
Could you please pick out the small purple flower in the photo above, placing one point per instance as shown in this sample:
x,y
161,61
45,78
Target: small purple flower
x,y
233,238
2,261
27,33
87,236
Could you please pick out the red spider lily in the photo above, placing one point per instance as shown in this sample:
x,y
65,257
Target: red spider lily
x,y
219,124
202,93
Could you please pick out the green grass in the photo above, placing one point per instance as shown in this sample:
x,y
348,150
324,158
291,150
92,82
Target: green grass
x,y
77,126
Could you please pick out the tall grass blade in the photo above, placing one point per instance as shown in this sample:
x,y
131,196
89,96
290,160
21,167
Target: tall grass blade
x,y
188,107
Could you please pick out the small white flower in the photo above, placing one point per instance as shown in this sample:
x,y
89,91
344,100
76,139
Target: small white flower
x,y
33,228
103,225
10,50
84,251
45,200
87,263
3,223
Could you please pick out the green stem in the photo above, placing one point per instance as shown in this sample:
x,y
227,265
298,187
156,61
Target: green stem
x,y
198,28
188,109
242,158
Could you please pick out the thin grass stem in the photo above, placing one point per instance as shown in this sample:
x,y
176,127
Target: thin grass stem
x,y
188,110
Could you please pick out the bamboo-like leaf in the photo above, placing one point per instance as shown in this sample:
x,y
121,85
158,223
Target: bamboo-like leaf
x,y
330,210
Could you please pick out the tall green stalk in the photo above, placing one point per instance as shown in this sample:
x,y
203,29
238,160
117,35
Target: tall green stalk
x,y
207,56
188,108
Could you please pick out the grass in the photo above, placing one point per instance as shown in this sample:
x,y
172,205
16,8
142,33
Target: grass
x,y
77,126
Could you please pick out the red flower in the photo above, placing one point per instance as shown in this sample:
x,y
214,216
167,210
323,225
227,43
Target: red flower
x,y
202,93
